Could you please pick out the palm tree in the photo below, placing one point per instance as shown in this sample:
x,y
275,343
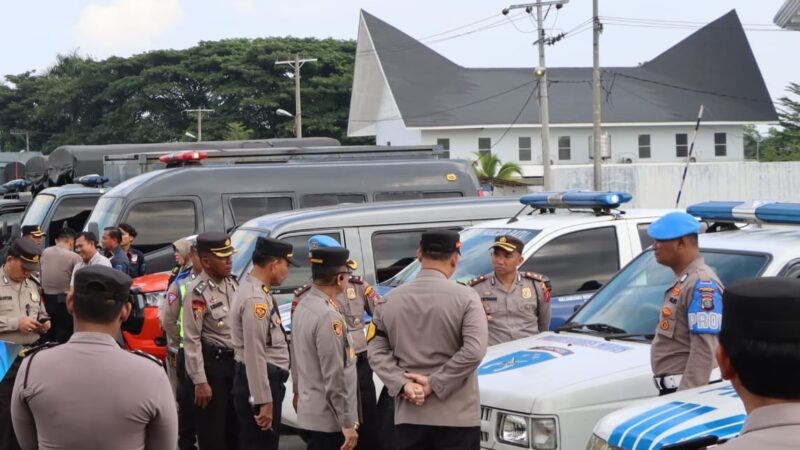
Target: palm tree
x,y
490,170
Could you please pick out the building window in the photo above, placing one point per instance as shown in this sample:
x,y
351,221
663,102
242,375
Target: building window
x,y
681,145
564,148
445,144
484,146
524,149
720,144
644,146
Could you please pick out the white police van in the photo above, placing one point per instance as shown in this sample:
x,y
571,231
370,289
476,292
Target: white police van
x,y
549,391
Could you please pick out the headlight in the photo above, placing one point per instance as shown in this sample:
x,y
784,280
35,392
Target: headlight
x,y
544,434
154,298
598,443
512,430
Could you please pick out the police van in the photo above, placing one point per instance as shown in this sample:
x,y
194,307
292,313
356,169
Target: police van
x,y
577,239
548,391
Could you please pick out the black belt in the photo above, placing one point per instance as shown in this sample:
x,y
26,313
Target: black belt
x,y
217,352
273,372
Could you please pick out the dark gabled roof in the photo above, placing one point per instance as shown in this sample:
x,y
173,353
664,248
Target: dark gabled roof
x,y
714,66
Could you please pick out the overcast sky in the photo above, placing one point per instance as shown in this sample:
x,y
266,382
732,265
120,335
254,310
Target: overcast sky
x,y
34,31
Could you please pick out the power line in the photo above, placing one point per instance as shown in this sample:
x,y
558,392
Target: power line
x,y
519,114
677,24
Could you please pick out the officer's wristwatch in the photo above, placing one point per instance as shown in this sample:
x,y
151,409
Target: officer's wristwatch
x,y
356,425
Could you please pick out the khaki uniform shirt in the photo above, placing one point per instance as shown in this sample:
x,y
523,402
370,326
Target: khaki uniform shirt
x,y
57,266
102,397
258,336
689,323
774,427
323,366
208,322
169,311
521,311
17,300
435,327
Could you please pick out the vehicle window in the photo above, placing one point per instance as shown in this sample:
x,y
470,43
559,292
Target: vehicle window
x,y
644,238
38,209
312,200
246,208
244,241
581,261
633,299
475,259
7,222
70,212
299,276
159,224
106,212
393,250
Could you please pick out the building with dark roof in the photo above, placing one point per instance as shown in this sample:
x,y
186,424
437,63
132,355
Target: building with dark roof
x,y
405,93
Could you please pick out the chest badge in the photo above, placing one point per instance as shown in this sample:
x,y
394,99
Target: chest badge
x,y
707,302
526,293
351,293
34,297
664,325
260,311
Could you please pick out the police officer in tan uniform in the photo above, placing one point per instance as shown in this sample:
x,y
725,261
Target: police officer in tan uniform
x,y
682,353
517,304
207,343
323,358
426,341
260,347
33,233
90,394
20,314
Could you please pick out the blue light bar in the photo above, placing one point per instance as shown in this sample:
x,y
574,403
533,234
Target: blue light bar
x,y
93,180
779,213
17,185
576,199
716,211
757,211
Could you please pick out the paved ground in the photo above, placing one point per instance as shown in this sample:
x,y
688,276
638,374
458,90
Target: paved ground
x,y
292,442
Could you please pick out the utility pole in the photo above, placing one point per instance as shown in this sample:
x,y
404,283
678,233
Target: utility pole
x,y
596,132
199,112
297,63
27,135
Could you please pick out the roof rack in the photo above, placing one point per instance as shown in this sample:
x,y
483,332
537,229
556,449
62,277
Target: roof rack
x,y
601,203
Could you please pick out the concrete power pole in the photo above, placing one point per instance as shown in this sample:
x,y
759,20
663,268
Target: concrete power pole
x,y
596,132
199,112
27,135
298,113
544,106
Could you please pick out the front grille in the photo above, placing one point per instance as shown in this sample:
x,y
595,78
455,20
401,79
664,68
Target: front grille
x,y
486,414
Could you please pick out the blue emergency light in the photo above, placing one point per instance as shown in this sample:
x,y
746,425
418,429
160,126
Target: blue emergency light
x,y
93,180
767,212
576,199
17,185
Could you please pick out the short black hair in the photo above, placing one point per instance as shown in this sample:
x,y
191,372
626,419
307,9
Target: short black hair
x,y
766,368
128,228
114,233
438,256
65,233
324,278
88,236
261,259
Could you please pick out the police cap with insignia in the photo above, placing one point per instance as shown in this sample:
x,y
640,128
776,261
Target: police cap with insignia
x,y
762,309
508,243
329,260
95,282
275,248
323,241
33,230
440,241
216,243
673,226
27,252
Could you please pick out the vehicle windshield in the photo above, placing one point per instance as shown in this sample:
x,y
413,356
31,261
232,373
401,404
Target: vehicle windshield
x,y
38,209
475,259
106,212
244,241
632,300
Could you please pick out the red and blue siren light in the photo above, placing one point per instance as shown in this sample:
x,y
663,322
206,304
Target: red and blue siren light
x,y
754,211
184,156
93,180
576,199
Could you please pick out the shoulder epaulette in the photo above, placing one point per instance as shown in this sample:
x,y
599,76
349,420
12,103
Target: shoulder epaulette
x,y
36,348
302,290
476,281
201,286
234,278
356,279
538,277
36,281
147,355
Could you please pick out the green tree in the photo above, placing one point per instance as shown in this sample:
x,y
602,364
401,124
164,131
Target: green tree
x,y
238,132
491,170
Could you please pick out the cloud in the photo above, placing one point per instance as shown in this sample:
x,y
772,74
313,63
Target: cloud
x,y
244,6
126,24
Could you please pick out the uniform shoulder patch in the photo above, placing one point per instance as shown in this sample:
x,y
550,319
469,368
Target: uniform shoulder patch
x,y
476,281
302,290
37,348
147,356
338,327
260,310
36,281
200,288
538,278
356,280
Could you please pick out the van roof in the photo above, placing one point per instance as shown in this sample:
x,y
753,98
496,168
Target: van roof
x,y
772,239
252,177
59,191
372,214
533,220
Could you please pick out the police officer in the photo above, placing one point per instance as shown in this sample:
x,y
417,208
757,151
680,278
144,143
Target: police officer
x,y
682,353
517,304
324,360
103,396
426,341
207,343
357,298
111,240
20,311
33,233
138,267
759,353
170,314
260,347
58,262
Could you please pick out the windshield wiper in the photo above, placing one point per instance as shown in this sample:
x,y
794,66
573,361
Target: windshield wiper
x,y
629,335
604,327
568,326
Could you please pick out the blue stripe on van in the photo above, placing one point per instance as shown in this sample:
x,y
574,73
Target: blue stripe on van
x,y
621,430
723,428
648,434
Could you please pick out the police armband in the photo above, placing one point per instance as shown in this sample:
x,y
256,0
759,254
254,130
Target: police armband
x,y
705,309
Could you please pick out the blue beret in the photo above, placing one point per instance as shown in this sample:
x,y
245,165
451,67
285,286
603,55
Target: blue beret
x,y
673,225
322,241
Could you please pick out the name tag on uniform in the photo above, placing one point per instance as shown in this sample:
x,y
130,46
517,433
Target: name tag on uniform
x,y
489,299
215,305
5,297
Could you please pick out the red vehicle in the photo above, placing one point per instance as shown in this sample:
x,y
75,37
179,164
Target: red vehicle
x,y
151,340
